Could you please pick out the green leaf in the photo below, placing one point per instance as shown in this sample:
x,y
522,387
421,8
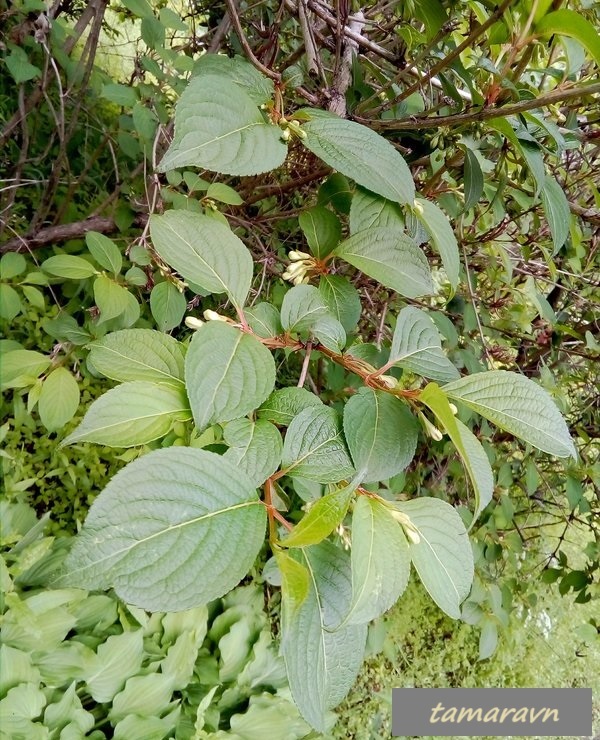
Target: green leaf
x,y
19,66
314,447
139,354
443,557
224,194
254,447
321,664
132,414
264,320
436,224
21,367
68,712
417,347
517,405
34,296
59,399
122,95
285,404
342,300
336,190
369,210
361,154
205,251
116,660
141,8
111,298
201,531
488,640
380,561
104,251
391,257
330,333
557,210
565,22
321,519
10,303
473,179
68,266
469,447
11,265
168,305
258,87
302,307
144,695
322,229
228,373
381,434
219,127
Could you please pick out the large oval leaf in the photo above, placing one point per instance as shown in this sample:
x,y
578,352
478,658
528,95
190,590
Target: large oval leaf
x,y
200,530
227,373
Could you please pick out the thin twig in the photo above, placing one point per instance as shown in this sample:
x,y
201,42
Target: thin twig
x,y
305,364
237,25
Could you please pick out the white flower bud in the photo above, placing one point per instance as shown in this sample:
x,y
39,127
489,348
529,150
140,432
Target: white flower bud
x,y
430,429
297,256
193,323
213,316
389,381
453,409
418,208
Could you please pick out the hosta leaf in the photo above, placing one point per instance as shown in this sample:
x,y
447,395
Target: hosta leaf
x,y
118,658
302,307
143,695
228,373
219,127
139,354
321,519
204,251
436,224
59,399
557,210
286,403
255,447
391,257
132,414
314,447
380,561
381,434
517,405
342,300
321,664
369,210
202,528
168,305
322,229
469,448
361,154
417,347
443,557
330,333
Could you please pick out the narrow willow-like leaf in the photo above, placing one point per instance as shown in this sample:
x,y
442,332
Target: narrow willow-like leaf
x,y
321,664
139,354
302,307
565,22
285,404
132,414
219,127
443,557
473,179
391,257
369,210
204,251
314,447
200,532
361,154
342,300
255,447
436,223
227,373
517,405
416,346
380,561
381,434
473,455
321,519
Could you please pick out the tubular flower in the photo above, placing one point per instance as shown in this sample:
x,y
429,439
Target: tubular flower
x,y
302,264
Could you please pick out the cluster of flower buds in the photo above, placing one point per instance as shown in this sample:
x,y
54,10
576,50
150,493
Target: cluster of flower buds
x,y
193,323
302,264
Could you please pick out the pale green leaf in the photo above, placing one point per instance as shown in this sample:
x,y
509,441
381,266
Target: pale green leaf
x,y
228,373
285,404
21,367
322,229
361,154
473,179
416,346
69,710
10,303
204,251
168,305
122,95
557,210
11,265
139,354
321,519
369,210
59,399
224,194
381,434
565,22
302,307
517,405
255,447
202,529
143,695
391,257
237,70
104,251
141,8
436,224
473,455
342,300
321,664
132,414
443,557
314,447
330,333
19,66
111,298
488,639
219,127
68,266
264,320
